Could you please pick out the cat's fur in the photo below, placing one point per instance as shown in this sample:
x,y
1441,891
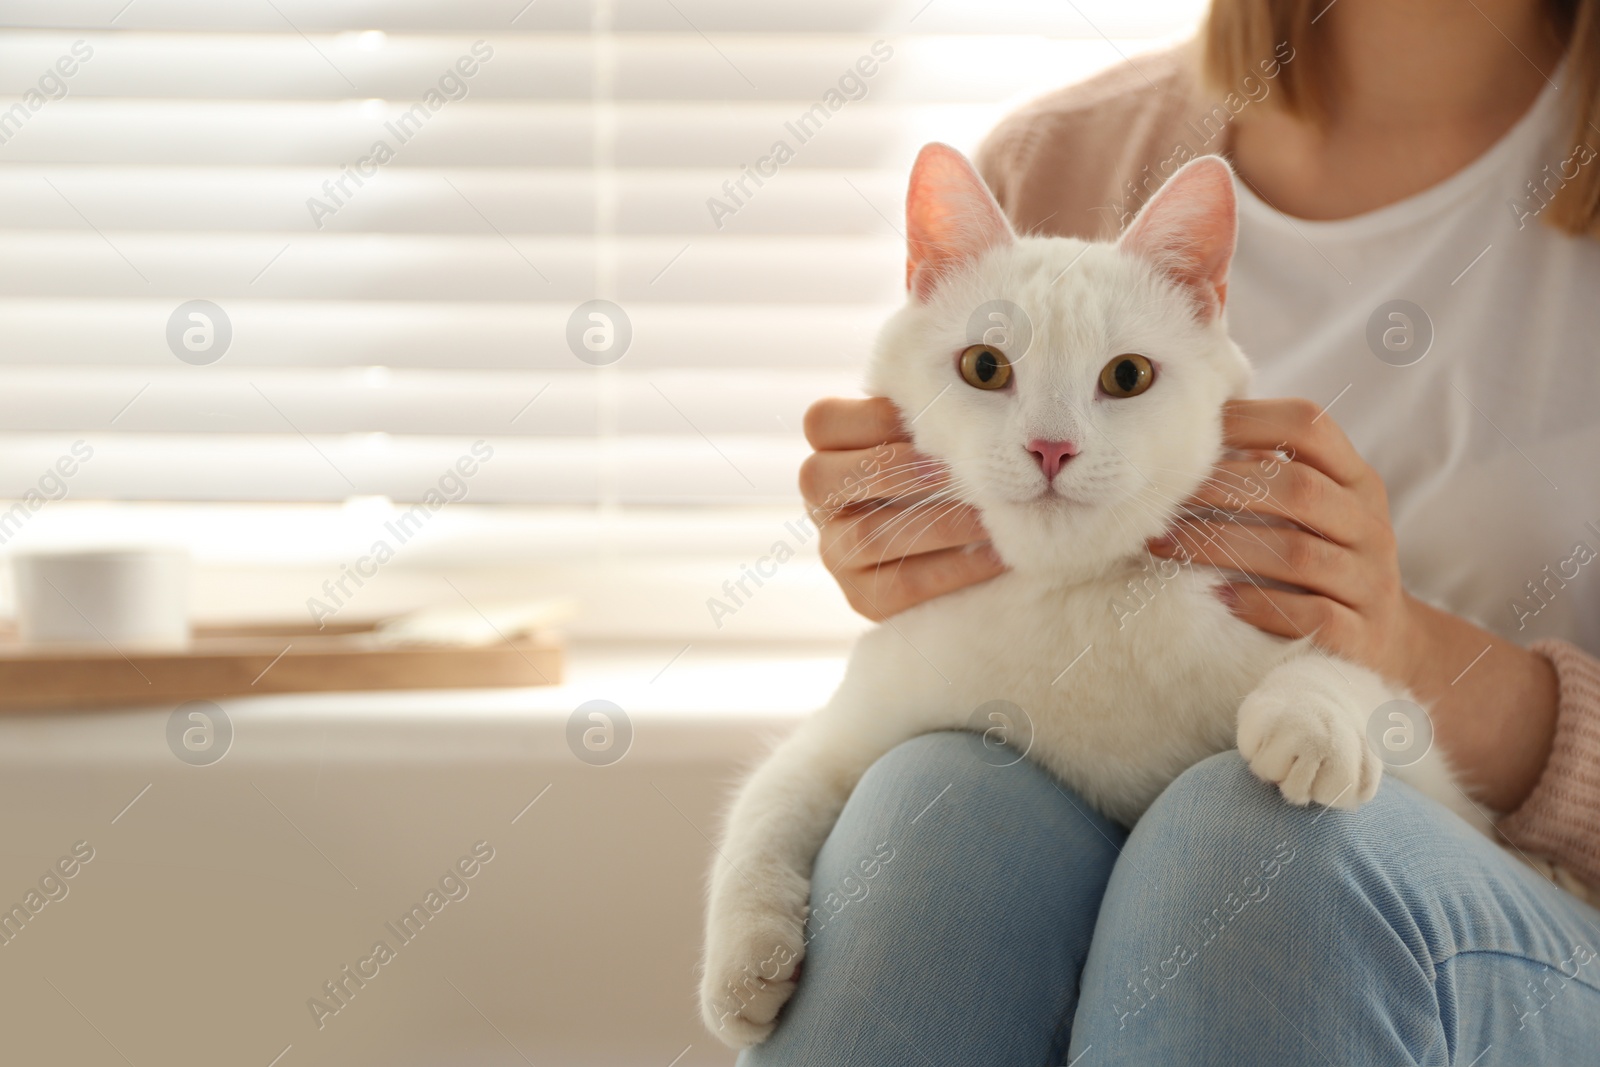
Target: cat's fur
x,y
1157,690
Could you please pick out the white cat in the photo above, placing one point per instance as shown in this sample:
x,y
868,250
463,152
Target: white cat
x,y
1076,451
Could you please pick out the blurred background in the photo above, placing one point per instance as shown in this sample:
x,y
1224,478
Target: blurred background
x,y
277,272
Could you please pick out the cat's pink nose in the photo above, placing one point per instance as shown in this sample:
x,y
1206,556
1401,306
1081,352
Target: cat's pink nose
x,y
1052,455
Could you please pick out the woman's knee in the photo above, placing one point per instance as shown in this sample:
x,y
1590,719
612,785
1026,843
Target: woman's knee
x,y
934,760
1222,869
969,796
1228,899
1223,792
1219,842
935,821
1219,812
955,899
1216,829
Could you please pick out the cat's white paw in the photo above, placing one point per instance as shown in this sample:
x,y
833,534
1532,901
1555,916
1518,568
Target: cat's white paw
x,y
1309,747
753,952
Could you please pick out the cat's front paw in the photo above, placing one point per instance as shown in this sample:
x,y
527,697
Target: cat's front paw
x,y
1309,747
753,954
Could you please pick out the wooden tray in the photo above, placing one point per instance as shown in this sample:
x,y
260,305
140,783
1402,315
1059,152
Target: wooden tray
x,y
249,660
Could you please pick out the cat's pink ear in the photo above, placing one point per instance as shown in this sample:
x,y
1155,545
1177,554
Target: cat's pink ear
x,y
1188,230
951,218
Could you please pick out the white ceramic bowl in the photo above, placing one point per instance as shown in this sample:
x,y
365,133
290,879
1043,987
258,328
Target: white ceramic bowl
x,y
126,597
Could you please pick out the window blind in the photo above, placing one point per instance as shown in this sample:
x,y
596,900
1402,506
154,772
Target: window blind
x,y
308,251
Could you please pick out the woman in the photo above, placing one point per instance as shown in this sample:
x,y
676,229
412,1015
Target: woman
x,y
1417,255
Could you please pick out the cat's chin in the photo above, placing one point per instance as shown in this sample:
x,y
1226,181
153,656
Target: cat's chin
x,y
1052,499
1062,538
1058,504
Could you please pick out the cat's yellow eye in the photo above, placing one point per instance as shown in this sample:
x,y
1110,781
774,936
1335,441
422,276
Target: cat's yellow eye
x,y
985,367
1127,375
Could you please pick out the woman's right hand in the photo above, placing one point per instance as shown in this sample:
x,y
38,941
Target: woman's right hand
x,y
886,544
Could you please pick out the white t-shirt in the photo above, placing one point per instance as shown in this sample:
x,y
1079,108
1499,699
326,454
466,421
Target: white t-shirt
x,y
1490,442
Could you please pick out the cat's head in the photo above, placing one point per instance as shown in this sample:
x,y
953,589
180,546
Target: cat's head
x,y
1073,389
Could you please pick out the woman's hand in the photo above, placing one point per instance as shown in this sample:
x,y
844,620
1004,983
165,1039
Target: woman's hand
x,y
886,544
1492,702
1301,468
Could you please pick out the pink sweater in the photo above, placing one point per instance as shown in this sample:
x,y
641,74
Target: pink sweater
x,y
1063,165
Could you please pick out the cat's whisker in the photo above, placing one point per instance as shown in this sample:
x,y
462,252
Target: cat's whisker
x,y
910,550
1250,531
925,473
899,521
1208,538
866,509
1252,579
1204,536
928,509
907,551
1242,490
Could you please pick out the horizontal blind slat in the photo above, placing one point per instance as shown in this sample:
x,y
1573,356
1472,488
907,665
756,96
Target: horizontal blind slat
x,y
1149,18
476,133
421,200
774,270
679,470
545,67
424,334
216,401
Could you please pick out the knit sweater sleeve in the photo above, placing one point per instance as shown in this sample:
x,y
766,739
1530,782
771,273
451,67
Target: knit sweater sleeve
x,y
1560,819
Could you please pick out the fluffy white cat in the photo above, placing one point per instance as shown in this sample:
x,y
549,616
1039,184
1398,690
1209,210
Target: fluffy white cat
x,y
1076,451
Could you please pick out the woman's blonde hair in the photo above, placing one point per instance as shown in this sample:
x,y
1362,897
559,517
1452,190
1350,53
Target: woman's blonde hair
x,y
1238,33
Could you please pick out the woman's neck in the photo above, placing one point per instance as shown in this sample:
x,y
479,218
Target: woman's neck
x,y
1415,91
1425,61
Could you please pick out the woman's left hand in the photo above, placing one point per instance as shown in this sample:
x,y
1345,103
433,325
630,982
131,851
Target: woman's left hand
x,y
1492,702
1300,467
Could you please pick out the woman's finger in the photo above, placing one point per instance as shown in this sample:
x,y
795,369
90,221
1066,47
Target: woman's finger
x,y
835,423
1298,427
864,536
878,592
1284,554
1332,626
889,545
1297,492
831,480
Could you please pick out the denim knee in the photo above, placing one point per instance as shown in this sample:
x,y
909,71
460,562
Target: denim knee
x,y
1231,906
963,801
933,760
1222,841
951,912
1249,838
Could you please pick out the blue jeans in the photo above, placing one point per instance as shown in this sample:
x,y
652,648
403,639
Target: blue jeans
x,y
1011,924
